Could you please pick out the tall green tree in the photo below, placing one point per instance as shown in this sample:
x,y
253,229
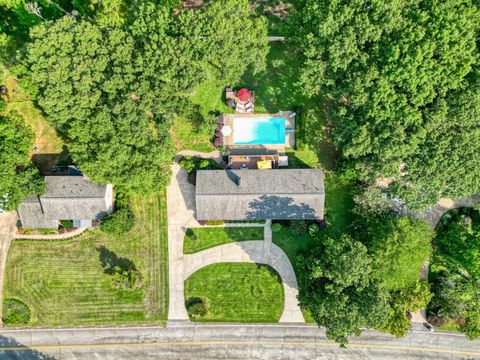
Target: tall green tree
x,y
447,164
230,36
402,301
399,246
457,275
112,90
384,65
18,177
95,92
337,286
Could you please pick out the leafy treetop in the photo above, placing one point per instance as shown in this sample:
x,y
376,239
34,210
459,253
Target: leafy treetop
x,y
18,177
384,65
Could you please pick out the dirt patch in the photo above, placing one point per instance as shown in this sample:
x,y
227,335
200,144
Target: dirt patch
x,y
274,8
193,4
446,203
383,182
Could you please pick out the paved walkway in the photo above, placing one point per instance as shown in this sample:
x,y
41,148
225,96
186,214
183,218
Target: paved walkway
x,y
433,214
7,231
253,252
181,210
214,155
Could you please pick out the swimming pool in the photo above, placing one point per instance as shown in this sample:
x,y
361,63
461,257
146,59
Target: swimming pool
x,y
259,131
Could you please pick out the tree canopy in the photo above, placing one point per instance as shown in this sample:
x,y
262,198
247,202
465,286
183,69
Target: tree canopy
x,y
92,88
337,287
456,282
18,177
384,66
111,91
399,246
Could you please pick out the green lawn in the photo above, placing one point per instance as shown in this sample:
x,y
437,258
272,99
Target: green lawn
x,y
197,239
276,88
63,282
208,96
237,292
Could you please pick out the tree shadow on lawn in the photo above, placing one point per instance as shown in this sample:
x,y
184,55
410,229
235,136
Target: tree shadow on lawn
x,y
110,261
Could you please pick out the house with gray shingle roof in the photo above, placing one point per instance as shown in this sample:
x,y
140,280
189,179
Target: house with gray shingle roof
x,y
277,194
67,198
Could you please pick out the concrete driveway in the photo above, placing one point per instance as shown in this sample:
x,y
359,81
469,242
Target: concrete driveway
x,y
181,215
7,232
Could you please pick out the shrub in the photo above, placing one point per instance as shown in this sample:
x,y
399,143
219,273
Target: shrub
x,y
298,227
188,164
313,229
196,308
67,224
477,206
15,312
215,222
32,231
119,222
129,279
203,164
191,164
276,227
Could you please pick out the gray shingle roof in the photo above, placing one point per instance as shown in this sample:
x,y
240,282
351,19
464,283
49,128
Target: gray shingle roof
x,y
260,194
73,197
72,187
65,198
31,215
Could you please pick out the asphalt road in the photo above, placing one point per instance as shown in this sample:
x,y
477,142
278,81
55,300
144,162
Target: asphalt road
x,y
223,341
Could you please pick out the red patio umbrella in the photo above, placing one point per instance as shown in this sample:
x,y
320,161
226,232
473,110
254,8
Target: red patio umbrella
x,y
244,95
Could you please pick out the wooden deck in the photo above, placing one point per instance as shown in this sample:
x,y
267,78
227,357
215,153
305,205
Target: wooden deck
x,y
251,161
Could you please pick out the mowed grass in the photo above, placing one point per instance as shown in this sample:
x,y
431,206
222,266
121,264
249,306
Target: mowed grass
x,y
237,292
209,97
64,284
198,239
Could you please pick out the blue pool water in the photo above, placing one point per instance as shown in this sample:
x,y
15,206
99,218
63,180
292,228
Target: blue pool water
x,y
259,131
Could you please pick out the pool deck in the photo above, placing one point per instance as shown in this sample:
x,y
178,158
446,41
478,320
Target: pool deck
x,y
289,136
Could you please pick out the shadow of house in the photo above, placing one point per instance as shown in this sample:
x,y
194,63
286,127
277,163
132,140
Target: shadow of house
x,y
186,189
46,162
8,351
277,207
